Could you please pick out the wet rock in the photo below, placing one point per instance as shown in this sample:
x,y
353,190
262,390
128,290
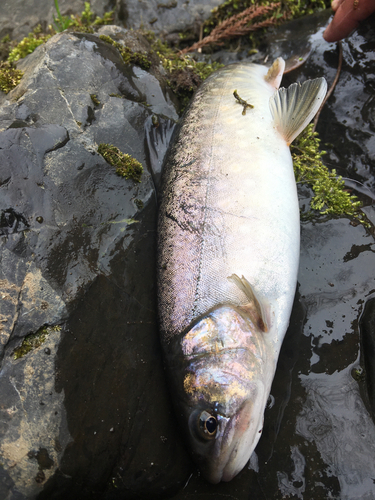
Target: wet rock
x,y
79,348
172,16
366,376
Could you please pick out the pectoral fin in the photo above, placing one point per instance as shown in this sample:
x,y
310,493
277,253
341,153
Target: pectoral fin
x,y
254,308
293,108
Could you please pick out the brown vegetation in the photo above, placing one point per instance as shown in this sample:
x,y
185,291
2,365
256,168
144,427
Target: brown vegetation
x,y
238,25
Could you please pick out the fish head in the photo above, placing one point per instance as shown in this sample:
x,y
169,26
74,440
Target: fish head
x,y
221,441
223,389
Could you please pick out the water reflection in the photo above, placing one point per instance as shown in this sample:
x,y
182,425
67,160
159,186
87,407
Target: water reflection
x,y
336,420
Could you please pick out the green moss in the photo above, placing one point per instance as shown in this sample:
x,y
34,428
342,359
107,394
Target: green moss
x,y
185,74
34,340
105,20
95,99
330,196
28,45
172,61
126,165
10,77
129,56
83,22
87,16
149,35
306,7
139,204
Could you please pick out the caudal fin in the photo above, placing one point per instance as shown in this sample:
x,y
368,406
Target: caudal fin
x,y
293,108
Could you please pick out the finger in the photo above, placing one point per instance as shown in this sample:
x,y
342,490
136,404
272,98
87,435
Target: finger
x,y
347,18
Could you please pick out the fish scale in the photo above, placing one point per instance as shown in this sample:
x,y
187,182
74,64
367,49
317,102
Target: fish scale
x,y
227,195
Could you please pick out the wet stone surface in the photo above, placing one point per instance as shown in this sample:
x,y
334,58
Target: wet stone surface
x,y
87,414
167,19
77,254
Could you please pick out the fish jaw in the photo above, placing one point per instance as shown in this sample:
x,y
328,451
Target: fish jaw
x,y
223,379
229,452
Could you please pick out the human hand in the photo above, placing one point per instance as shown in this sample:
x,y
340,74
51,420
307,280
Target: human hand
x,y
348,15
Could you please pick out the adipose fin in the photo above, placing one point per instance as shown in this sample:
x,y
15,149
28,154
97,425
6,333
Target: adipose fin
x,y
275,73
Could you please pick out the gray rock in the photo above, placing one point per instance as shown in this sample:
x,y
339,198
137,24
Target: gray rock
x,y
19,18
76,410
34,430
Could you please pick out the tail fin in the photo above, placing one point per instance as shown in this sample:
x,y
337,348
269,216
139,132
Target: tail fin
x,y
293,108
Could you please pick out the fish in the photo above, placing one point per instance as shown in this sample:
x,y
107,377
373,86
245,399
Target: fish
x,y
228,255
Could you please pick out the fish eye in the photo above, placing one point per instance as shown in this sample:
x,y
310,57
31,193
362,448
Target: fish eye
x,y
207,425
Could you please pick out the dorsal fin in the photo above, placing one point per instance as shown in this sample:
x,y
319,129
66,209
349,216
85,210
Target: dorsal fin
x,y
275,73
254,308
293,108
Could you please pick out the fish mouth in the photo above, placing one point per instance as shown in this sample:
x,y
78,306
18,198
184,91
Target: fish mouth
x,y
230,470
236,440
237,457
